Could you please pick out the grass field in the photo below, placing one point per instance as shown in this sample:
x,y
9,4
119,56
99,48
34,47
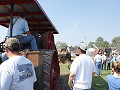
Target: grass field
x,y
99,82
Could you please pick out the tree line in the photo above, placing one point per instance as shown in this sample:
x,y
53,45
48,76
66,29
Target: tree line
x,y
99,42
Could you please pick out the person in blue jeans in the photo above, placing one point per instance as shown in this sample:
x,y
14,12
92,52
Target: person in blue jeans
x,y
114,79
21,32
98,62
104,58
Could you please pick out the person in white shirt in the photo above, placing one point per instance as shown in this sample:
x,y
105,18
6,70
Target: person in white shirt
x,y
118,58
104,59
21,31
16,73
98,62
81,70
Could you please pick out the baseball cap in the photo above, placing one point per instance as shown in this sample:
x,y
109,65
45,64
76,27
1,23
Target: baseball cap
x,y
12,44
23,15
83,46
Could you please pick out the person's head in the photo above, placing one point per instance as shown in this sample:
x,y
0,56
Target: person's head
x,y
12,44
23,15
116,67
82,49
100,52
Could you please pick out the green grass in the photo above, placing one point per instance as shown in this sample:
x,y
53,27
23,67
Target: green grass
x,y
99,82
64,74
64,69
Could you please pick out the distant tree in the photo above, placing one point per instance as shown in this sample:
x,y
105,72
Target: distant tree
x,y
99,39
61,45
116,40
105,44
81,42
73,48
90,45
116,43
99,42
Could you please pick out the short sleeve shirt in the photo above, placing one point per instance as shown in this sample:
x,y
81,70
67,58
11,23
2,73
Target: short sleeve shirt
x,y
17,73
113,82
118,58
20,26
103,57
83,67
98,58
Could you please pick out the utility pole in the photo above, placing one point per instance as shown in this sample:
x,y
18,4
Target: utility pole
x,y
85,41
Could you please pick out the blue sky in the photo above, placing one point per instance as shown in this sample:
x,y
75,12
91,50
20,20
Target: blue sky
x,y
77,19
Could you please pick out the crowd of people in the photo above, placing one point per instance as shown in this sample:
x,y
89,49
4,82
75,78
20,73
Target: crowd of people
x,y
103,62
84,67
17,72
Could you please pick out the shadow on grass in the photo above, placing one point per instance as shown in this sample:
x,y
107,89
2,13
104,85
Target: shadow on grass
x,y
63,82
98,83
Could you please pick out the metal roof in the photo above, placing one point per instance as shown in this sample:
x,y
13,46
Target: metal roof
x,y
37,19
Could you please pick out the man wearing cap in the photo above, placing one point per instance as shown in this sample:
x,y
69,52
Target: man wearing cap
x,y
81,71
20,27
21,32
16,73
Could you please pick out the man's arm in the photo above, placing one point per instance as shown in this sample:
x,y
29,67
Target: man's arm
x,y
27,33
70,81
94,69
26,28
94,59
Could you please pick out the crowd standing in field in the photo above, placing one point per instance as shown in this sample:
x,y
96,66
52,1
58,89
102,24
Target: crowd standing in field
x,y
102,61
19,75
